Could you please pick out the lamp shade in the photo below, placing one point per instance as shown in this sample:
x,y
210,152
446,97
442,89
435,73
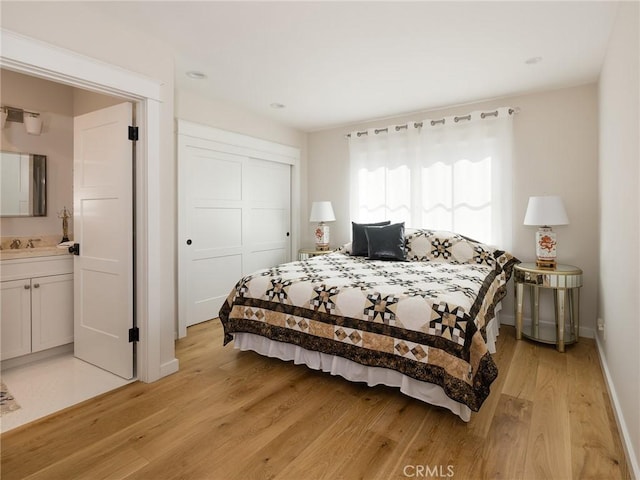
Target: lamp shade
x,y
322,212
32,123
547,210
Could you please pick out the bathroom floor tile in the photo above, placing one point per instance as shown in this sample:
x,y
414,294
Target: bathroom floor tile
x,y
47,386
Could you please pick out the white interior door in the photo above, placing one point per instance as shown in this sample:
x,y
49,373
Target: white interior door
x,y
235,217
103,228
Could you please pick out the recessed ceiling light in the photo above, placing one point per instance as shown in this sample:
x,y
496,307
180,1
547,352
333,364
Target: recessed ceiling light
x,y
533,60
196,75
277,105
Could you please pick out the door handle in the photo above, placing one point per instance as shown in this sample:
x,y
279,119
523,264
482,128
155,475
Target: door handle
x,y
75,249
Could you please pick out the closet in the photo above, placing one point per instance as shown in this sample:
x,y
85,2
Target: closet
x,y
235,215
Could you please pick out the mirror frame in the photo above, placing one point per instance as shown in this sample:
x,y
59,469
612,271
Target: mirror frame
x,y
37,185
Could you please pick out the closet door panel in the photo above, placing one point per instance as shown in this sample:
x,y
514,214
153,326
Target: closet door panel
x,y
268,224
211,243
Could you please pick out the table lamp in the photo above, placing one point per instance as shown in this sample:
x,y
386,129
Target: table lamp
x,y
322,212
544,212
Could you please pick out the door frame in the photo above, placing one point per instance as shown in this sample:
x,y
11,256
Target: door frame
x,y
239,144
39,59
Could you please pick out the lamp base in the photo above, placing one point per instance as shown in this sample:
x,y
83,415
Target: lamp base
x,y
546,248
322,237
546,264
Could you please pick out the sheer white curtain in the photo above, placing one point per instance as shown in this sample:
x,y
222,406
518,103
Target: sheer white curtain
x,y
449,175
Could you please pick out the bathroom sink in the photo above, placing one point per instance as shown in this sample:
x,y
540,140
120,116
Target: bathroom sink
x,y
10,254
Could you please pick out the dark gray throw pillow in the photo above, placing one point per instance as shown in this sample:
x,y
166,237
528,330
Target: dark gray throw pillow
x,y
386,243
359,243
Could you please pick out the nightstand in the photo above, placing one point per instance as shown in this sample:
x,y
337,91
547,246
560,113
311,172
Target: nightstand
x,y
306,253
565,281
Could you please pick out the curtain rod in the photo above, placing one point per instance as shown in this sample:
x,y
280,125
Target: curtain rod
x,y
435,122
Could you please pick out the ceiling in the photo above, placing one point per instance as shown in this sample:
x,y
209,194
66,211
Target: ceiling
x,y
335,63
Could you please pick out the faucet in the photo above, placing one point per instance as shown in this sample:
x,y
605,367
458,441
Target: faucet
x,y
15,244
30,242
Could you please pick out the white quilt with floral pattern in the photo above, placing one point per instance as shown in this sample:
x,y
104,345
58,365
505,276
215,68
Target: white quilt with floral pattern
x,y
424,317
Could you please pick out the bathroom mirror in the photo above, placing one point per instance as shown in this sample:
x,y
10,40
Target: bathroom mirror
x,y
23,185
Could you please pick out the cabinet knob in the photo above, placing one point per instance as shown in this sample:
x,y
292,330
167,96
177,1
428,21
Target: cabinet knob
x,y
27,287
36,285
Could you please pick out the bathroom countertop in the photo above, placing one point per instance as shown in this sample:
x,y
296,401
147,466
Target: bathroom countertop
x,y
12,254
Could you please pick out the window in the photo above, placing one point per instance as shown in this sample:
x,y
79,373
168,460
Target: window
x,y
451,175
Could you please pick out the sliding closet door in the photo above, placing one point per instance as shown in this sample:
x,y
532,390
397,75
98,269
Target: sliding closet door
x,y
268,188
211,243
234,218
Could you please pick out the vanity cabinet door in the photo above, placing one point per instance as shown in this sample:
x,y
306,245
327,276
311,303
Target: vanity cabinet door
x,y
15,328
51,311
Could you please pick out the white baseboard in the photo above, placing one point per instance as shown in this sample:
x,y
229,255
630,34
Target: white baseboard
x,y
632,459
170,367
510,319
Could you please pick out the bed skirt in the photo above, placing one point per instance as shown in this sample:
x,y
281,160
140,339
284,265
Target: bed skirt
x,y
355,372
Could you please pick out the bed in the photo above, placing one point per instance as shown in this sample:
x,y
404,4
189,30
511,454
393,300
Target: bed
x,y
426,325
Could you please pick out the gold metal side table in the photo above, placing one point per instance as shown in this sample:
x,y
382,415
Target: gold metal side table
x,y
566,281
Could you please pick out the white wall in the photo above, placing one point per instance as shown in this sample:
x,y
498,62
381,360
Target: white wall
x,y
85,101
619,207
221,114
55,104
555,152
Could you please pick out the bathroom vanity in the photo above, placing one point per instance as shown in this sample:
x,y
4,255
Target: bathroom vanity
x,y
37,300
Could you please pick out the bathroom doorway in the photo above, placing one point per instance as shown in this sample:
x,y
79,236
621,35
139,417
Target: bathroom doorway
x,y
155,355
155,351
50,380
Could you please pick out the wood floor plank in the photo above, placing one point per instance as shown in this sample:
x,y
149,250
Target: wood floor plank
x,y
443,443
506,345
350,428
112,464
284,449
234,415
521,377
593,446
549,442
509,433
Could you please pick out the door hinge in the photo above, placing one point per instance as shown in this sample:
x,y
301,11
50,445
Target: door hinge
x,y
134,334
133,133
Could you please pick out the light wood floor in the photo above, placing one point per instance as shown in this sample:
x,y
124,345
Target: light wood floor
x,y
236,415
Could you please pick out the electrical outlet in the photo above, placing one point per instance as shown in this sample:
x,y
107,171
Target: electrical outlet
x,y
600,326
